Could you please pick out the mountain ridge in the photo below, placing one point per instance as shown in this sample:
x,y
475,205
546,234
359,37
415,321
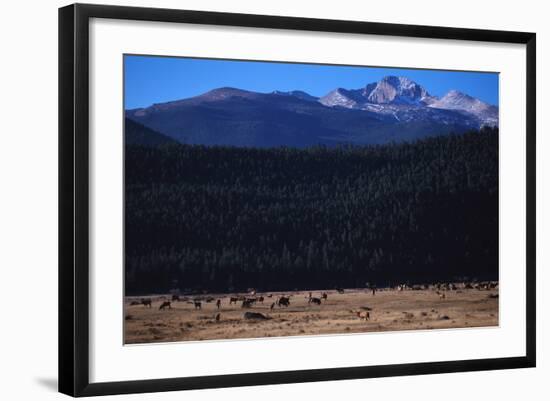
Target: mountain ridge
x,y
392,109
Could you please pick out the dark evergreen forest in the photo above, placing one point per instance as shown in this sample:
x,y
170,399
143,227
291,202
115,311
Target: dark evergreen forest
x,y
222,219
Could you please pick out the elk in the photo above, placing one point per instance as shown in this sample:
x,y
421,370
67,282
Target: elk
x,y
324,296
272,306
365,316
283,301
218,303
217,317
340,290
175,298
314,301
165,304
146,302
198,304
261,299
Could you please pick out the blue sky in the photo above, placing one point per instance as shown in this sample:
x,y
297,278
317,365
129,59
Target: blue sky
x,y
150,79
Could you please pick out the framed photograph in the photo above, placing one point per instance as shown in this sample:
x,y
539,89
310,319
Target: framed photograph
x,y
250,199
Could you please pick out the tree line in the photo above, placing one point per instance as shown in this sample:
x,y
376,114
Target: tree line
x,y
214,218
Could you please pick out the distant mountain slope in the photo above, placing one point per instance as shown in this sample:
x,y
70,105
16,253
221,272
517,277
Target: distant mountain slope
x,y
455,100
394,109
299,94
240,118
138,134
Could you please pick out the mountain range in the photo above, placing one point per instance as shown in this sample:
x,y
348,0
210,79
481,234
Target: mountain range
x,y
394,109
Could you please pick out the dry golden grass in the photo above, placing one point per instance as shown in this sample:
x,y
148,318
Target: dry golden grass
x,y
391,310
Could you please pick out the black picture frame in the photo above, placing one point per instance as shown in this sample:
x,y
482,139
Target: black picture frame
x,y
74,198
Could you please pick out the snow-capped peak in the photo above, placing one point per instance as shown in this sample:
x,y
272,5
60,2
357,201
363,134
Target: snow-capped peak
x,y
458,100
455,100
398,90
389,90
394,94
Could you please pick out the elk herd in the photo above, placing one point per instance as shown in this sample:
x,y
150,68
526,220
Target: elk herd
x,y
441,288
245,301
252,298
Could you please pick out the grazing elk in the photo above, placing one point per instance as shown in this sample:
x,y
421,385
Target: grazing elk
x,y
175,298
261,299
247,303
340,290
146,302
217,317
486,286
283,301
233,300
365,315
135,303
324,296
165,304
198,304
314,300
218,303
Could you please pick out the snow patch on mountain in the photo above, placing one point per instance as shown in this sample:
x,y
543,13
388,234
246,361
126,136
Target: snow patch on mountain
x,y
339,97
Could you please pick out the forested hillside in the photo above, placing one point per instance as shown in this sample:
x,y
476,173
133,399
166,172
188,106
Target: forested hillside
x,y
227,218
